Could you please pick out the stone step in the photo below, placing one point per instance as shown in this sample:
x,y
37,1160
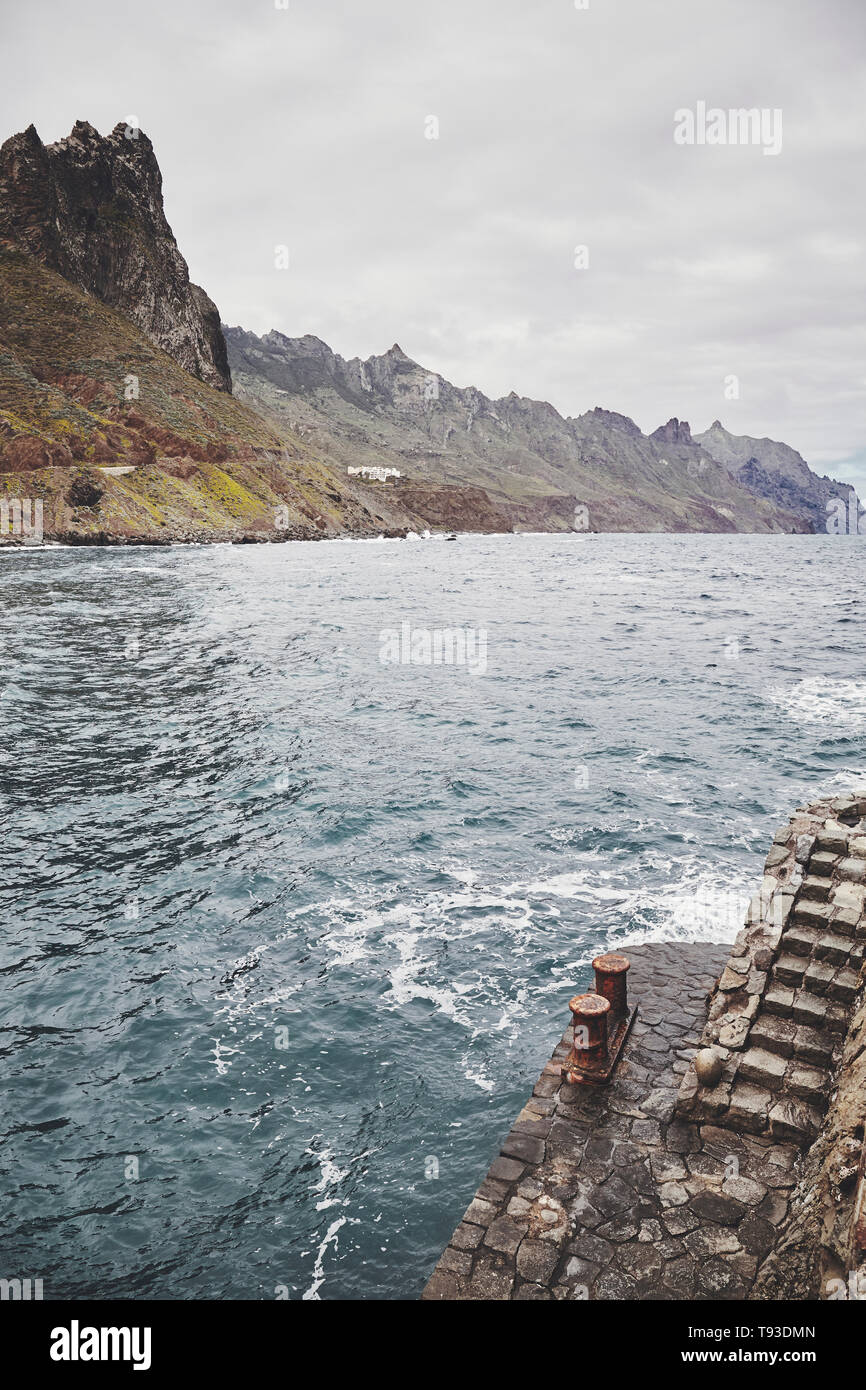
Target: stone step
x,y
815,1046
774,1034
794,1121
762,1068
750,1107
811,1009
779,1000
819,976
817,889
853,869
789,970
801,941
844,986
847,922
808,1083
769,1071
837,1020
812,914
804,1006
833,840
839,950
851,896
822,864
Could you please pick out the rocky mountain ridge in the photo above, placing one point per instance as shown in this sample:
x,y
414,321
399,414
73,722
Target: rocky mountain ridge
x,y
541,469
774,470
91,208
180,461
116,386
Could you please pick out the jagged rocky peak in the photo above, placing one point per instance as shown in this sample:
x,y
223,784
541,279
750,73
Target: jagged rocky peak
x,y
393,363
90,206
737,451
301,364
674,432
774,470
514,405
608,419
308,343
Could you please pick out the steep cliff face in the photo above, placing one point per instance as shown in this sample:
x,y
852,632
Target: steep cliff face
x,y
178,461
674,432
539,469
91,279
91,208
773,470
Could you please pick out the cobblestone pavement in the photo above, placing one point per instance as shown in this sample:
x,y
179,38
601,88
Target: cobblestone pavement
x,y
602,1193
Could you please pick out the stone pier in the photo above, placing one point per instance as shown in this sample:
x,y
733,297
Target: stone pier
x,y
653,1188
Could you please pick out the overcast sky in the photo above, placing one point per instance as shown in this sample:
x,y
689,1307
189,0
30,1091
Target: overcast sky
x,y
307,127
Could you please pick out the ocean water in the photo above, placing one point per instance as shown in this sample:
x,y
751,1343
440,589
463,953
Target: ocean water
x,y
289,930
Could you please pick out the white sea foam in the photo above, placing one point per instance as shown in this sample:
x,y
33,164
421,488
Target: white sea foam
x,y
579,883
406,982
565,917
841,783
221,1052
331,1175
312,1293
706,908
476,1073
841,703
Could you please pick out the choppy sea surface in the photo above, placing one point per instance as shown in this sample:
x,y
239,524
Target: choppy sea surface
x,y
288,931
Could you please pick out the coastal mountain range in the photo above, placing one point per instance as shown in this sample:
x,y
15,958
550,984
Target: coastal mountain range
x,y
136,416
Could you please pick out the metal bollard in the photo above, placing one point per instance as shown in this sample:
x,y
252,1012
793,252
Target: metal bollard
x,y
602,1021
589,1014
611,972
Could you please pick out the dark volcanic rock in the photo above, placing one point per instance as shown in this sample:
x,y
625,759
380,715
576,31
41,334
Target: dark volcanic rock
x,y
774,470
84,492
674,432
91,208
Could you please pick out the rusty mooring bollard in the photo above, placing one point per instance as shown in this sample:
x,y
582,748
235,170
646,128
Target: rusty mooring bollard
x,y
611,972
589,1015
602,1021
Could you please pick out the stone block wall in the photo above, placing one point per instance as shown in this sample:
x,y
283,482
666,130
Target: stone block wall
x,y
821,1249
780,1012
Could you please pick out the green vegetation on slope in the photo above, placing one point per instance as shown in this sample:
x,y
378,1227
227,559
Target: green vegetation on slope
x,y
83,391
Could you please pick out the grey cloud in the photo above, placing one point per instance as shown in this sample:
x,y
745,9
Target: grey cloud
x,y
306,127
